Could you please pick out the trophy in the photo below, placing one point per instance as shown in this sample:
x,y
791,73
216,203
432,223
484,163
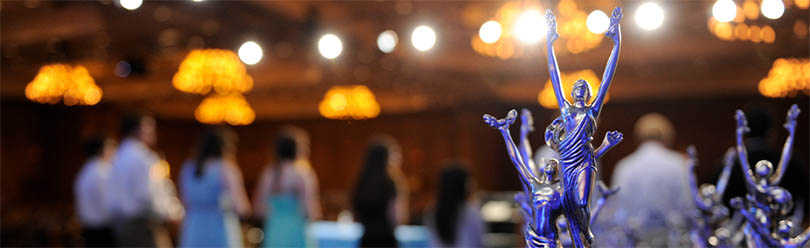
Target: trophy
x,y
713,225
546,196
766,205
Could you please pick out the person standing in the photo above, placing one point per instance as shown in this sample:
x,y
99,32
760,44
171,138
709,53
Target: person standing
x,y
455,221
134,193
213,192
654,199
380,199
89,190
286,196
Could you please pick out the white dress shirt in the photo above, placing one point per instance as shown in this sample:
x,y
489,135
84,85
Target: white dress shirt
x,y
91,204
132,191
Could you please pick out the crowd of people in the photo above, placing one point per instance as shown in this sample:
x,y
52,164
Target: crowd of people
x,y
122,199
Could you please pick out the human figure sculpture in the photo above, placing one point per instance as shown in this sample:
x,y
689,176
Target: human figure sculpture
x,y
577,157
712,214
766,204
541,199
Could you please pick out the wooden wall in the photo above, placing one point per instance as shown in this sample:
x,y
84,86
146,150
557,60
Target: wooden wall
x,y
41,151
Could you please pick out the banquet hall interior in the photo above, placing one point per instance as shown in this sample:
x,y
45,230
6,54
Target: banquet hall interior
x,y
419,73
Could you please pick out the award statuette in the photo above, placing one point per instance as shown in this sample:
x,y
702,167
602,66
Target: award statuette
x,y
570,135
713,227
766,204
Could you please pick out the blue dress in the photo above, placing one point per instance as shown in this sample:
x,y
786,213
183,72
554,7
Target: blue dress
x,y
210,218
286,224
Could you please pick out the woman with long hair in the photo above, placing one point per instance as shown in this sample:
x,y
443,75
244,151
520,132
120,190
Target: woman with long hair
x,y
287,194
455,221
213,192
380,200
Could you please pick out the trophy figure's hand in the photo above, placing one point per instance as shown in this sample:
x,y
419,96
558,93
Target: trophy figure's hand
x,y
730,155
692,153
614,31
501,123
552,27
605,191
742,123
614,137
792,114
526,121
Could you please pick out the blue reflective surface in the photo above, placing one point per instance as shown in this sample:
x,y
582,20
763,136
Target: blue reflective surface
x,y
547,196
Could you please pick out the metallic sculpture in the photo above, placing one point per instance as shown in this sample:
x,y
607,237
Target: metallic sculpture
x,y
714,228
766,204
570,135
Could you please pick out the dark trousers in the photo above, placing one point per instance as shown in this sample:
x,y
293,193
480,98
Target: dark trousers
x,y
135,232
98,236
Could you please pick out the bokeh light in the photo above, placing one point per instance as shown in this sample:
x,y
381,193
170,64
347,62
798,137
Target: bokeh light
x,y
212,68
548,99
232,109
387,41
490,32
250,53
597,22
724,10
649,16
802,4
330,46
772,9
787,78
72,84
423,38
130,4
349,102
530,27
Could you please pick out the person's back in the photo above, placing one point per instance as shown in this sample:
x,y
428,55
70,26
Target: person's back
x,y
654,199
286,220
132,192
455,221
211,219
286,195
91,198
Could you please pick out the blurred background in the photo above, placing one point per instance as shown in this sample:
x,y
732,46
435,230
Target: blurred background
x,y
423,72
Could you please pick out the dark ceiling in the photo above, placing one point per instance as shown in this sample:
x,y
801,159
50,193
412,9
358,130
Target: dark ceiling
x,y
681,59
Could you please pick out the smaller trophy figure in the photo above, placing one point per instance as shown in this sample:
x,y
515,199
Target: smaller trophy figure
x,y
713,223
766,204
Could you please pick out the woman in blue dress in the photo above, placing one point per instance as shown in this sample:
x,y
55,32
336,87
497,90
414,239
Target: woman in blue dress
x,y
213,193
287,194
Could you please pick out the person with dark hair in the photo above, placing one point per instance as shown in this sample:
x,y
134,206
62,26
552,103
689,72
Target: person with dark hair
x,y
213,192
380,195
455,221
286,196
89,190
134,193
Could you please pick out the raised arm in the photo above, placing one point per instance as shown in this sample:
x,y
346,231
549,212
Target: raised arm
x,y
728,164
525,148
614,33
604,192
742,153
503,127
693,187
784,160
612,138
553,68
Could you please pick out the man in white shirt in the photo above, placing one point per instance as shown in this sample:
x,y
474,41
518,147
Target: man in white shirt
x,y
89,190
133,192
654,201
